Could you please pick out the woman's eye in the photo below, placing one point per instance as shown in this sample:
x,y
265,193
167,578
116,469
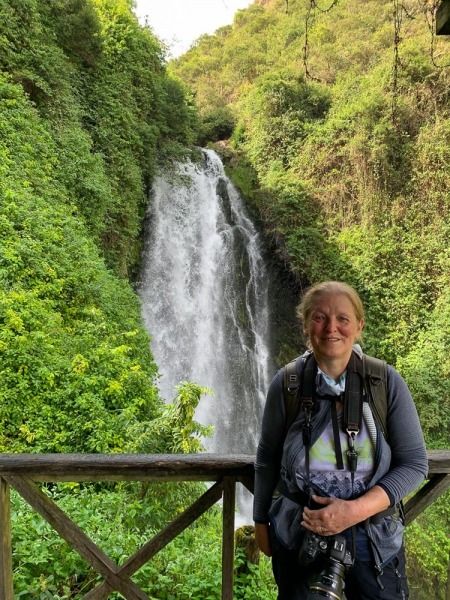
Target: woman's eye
x,y
318,318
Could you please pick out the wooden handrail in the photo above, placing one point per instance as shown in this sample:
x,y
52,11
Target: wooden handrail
x,y
21,471
126,467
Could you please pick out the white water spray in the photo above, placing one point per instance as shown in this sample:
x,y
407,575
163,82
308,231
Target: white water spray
x,y
205,300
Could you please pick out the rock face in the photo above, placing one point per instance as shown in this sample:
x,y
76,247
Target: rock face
x,y
244,539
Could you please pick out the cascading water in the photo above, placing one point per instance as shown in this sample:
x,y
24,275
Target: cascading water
x,y
205,300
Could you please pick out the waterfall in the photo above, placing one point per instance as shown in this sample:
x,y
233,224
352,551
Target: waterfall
x,y
204,293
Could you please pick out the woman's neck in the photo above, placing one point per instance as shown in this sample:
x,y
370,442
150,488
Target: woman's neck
x,y
333,367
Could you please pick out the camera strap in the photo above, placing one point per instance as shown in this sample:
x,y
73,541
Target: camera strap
x,y
337,437
353,403
300,388
352,399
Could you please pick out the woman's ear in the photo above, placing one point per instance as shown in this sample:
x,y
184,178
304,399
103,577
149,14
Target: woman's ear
x,y
360,329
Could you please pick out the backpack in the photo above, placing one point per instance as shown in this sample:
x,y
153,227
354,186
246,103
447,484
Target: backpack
x,y
375,383
375,386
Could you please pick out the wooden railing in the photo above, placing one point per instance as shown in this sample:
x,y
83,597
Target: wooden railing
x,y
22,471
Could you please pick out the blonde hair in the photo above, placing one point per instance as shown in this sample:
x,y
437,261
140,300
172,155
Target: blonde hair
x,y
312,295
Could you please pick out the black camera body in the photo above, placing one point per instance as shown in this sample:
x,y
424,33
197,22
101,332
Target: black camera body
x,y
330,581
335,547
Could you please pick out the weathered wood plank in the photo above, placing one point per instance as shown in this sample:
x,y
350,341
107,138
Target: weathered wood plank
x,y
126,467
229,507
248,483
179,524
77,539
439,461
6,581
436,486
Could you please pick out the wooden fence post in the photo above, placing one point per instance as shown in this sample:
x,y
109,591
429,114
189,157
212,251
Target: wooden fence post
x,y
229,501
6,572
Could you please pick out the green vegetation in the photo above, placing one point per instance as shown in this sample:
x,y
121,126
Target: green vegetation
x,y
120,522
85,102
100,86
340,141
341,145
87,114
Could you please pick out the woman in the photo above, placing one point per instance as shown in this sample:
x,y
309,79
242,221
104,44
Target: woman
x,y
320,488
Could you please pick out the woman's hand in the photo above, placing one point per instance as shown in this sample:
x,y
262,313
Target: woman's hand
x,y
337,515
262,538
333,518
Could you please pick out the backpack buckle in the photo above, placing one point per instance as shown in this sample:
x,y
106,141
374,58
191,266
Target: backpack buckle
x,y
293,383
352,432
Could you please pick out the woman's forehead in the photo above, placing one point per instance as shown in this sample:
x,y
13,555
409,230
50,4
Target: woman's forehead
x,y
333,301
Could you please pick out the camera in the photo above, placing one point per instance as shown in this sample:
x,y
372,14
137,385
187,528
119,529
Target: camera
x,y
330,581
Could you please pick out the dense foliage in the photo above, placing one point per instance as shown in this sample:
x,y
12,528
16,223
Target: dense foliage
x,y
87,112
341,144
85,103
99,83
120,522
340,140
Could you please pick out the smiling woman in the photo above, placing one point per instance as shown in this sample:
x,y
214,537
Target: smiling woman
x,y
333,319
338,478
178,23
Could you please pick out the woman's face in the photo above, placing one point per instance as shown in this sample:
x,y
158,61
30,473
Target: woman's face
x,y
333,327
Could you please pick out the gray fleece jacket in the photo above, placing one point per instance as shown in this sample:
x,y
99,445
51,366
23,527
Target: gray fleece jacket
x,y
399,467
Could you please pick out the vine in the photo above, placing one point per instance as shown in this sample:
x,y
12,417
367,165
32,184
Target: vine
x,y
398,18
400,11
306,45
309,13
429,9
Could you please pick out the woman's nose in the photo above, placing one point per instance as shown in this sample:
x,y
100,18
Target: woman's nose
x,y
331,324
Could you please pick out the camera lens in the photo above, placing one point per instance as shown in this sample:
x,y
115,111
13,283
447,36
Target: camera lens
x,y
329,583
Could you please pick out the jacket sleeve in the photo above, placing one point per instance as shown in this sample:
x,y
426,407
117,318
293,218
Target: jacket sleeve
x,y
409,462
268,455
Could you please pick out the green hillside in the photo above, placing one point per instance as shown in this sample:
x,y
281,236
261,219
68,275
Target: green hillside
x,y
337,116
85,104
335,121
340,140
88,114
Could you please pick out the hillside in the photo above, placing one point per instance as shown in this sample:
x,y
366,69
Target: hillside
x,y
87,114
346,159
337,118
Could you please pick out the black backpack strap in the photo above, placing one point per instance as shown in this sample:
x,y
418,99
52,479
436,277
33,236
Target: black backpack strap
x,y
298,394
375,376
299,381
353,396
293,389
